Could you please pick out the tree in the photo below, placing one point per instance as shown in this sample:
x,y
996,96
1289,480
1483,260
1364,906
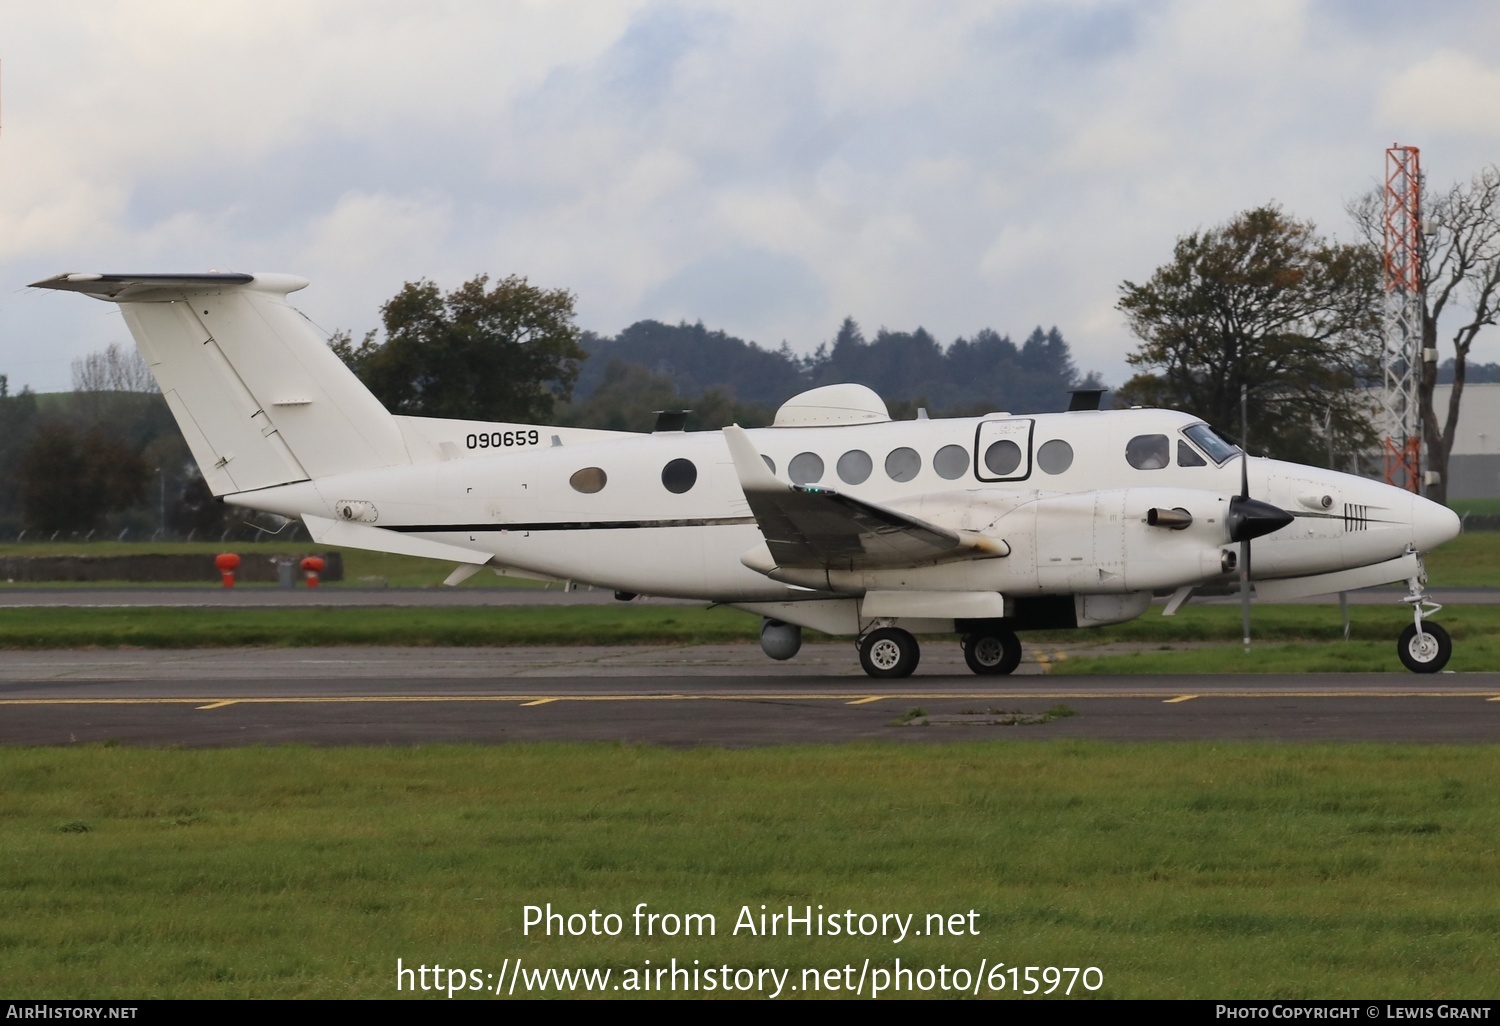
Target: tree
x,y
69,481
115,369
505,354
18,416
1264,303
1461,280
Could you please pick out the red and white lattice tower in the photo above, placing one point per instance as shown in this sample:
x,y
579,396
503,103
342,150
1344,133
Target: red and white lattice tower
x,y
1401,418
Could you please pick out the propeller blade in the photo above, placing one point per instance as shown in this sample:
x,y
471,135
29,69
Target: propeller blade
x,y
1245,590
1248,518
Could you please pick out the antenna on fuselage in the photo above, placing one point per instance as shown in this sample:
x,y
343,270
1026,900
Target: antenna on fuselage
x,y
1085,399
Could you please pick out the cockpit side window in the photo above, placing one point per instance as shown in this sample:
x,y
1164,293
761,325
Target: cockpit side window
x,y
1148,452
1204,438
1187,456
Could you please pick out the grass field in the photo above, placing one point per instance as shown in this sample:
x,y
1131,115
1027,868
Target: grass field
x,y
1487,507
1194,870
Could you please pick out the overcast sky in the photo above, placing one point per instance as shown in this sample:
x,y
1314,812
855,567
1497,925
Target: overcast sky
x,y
764,167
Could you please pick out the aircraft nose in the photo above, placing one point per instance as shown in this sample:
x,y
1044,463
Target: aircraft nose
x,y
1432,524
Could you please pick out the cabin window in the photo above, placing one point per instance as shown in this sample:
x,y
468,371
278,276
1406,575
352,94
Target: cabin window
x,y
1055,456
903,464
951,462
1148,452
805,468
588,480
854,466
679,475
1002,458
770,463
1218,450
1187,456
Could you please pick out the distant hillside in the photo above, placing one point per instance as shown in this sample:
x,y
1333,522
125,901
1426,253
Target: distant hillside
x,y
985,372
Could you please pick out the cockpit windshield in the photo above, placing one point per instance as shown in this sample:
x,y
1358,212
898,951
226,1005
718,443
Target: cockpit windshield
x,y
1218,450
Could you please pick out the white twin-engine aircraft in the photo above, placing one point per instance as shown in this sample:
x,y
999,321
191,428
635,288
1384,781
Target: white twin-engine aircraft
x,y
835,518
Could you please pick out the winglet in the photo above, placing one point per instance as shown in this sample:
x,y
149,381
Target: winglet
x,y
753,472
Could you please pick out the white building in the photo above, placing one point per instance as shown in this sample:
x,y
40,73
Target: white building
x,y
1474,463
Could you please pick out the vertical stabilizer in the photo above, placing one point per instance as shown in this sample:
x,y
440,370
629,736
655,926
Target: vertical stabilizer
x,y
259,396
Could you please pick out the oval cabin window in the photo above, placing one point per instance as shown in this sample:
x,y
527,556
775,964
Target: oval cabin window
x,y
805,468
854,466
951,462
1055,456
679,475
903,464
588,480
1003,458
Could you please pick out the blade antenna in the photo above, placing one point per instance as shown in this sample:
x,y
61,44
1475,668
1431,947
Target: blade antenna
x,y
1245,493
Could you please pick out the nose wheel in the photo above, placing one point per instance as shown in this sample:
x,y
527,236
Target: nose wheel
x,y
1423,647
1424,650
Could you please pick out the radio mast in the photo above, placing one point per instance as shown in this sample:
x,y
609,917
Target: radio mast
x,y
1401,412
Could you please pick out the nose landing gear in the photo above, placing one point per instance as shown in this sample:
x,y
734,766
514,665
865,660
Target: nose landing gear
x,y
1423,647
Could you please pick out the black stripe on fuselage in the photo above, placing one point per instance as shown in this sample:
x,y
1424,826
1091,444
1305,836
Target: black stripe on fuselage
x,y
570,525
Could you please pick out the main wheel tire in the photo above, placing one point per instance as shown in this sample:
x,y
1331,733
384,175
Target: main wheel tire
x,y
990,652
1427,652
889,652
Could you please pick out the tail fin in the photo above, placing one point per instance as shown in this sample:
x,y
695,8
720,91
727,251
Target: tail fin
x,y
260,398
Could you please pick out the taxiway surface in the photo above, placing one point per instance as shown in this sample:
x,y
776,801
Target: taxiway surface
x,y
709,695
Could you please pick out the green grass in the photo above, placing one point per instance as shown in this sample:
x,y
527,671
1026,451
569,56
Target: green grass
x,y
1469,561
1488,507
170,627
1183,870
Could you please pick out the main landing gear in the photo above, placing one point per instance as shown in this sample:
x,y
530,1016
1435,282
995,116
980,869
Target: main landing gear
x,y
1423,647
891,652
995,651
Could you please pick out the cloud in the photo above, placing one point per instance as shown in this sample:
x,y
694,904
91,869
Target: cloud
x,y
768,168
1448,93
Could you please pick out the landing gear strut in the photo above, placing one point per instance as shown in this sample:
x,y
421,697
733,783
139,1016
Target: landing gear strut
x,y
1423,647
889,652
992,651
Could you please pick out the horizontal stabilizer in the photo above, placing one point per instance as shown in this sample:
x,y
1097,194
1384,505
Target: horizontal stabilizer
x,y
362,536
135,288
810,527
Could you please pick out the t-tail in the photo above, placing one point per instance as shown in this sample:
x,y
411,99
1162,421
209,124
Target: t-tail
x,y
260,398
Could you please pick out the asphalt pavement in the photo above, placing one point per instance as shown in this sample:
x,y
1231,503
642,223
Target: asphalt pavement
x,y
729,695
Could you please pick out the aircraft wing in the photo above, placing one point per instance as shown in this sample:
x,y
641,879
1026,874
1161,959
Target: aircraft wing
x,y
807,526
